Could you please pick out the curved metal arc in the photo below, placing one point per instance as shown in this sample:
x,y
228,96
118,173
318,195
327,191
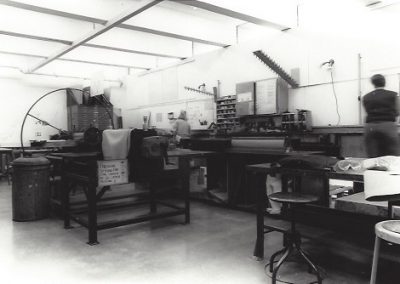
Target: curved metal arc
x,y
42,97
27,113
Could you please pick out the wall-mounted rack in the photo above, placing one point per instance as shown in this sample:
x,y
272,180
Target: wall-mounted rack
x,y
276,68
199,91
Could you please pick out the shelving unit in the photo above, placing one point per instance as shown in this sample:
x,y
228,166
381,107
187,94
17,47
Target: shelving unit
x,y
226,112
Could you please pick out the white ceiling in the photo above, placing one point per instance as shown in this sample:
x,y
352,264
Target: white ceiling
x,y
33,30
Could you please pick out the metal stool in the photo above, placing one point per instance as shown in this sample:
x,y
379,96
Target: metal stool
x,y
292,238
6,157
388,231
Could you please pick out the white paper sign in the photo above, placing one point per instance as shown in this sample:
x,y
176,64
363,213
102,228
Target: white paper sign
x,y
245,97
266,96
112,172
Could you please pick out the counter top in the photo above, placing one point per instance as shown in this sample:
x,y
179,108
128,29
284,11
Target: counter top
x,y
264,151
172,153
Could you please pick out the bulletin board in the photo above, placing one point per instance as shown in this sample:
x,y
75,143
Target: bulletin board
x,y
200,113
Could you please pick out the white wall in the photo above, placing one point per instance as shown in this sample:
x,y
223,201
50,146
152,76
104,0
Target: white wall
x,y
327,29
19,92
16,97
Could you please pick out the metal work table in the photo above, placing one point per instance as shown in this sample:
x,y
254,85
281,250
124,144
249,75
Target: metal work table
x,y
81,168
258,174
237,158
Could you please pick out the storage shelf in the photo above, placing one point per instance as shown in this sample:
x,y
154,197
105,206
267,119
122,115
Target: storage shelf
x,y
227,118
226,109
226,112
227,98
226,104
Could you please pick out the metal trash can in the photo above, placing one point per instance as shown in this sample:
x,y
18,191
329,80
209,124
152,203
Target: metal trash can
x,y
30,189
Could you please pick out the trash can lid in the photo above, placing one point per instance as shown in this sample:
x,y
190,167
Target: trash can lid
x,y
31,161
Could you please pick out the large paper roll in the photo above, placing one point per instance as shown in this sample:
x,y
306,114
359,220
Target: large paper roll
x,y
381,185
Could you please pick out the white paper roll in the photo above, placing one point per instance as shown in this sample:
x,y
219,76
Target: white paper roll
x,y
379,184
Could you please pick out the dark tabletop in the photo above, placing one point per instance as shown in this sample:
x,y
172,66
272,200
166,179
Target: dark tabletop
x,y
172,153
266,168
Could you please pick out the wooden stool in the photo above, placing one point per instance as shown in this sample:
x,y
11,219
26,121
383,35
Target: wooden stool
x,y
292,238
388,231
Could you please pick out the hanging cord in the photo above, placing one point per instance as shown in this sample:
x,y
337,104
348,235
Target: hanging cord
x,y
336,100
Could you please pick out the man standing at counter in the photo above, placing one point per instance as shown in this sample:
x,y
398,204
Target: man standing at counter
x,y
380,132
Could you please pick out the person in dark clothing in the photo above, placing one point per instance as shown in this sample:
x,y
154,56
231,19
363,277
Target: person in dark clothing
x,y
380,132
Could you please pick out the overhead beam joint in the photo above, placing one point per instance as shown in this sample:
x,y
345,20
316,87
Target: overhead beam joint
x,y
111,24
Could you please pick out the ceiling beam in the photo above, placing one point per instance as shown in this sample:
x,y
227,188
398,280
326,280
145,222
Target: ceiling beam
x,y
72,77
59,13
172,35
53,12
75,60
131,51
7,33
67,42
231,13
110,24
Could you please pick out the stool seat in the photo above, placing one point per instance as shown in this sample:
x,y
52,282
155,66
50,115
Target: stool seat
x,y
292,238
292,197
388,231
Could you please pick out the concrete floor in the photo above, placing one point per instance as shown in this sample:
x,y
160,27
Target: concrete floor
x,y
215,248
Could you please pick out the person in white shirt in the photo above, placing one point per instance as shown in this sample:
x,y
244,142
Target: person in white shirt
x,y
181,127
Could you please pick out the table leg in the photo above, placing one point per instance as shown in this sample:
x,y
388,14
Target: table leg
x,y
152,189
259,183
65,202
212,170
92,214
326,196
184,168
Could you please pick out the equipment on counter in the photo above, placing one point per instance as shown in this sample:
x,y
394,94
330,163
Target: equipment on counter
x,y
141,166
300,121
285,124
